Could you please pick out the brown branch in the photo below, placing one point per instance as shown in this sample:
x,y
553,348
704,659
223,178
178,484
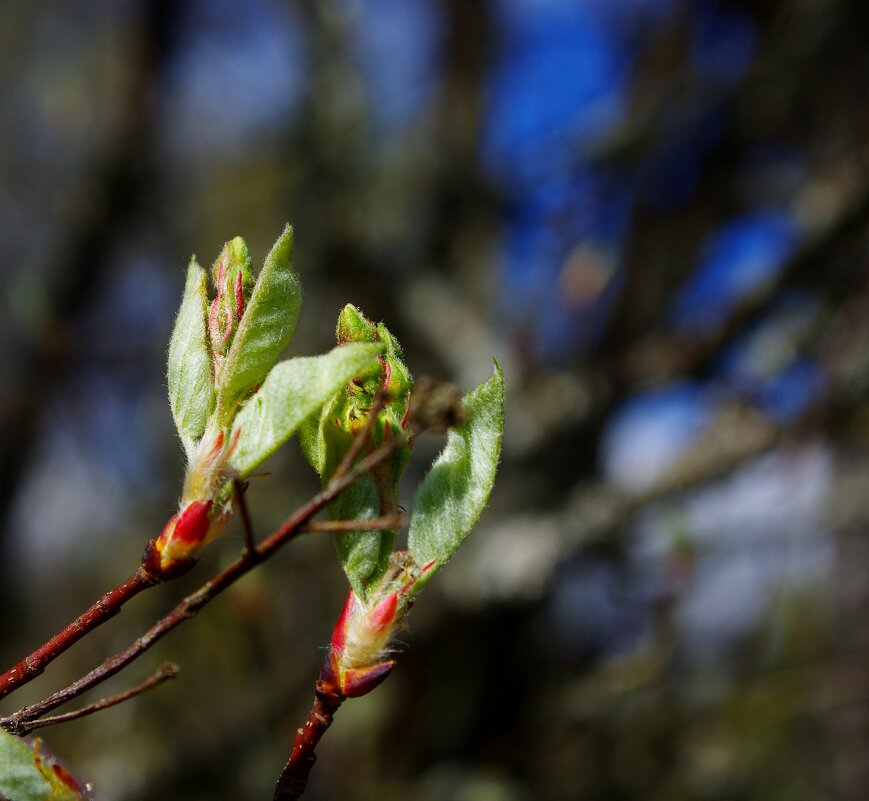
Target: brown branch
x,y
247,526
362,437
385,523
167,671
110,604
101,610
294,777
292,527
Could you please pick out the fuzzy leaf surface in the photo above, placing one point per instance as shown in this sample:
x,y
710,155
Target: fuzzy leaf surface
x,y
20,780
451,497
25,775
265,329
191,385
293,391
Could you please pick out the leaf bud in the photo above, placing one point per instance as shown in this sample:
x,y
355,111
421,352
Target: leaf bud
x,y
233,282
359,655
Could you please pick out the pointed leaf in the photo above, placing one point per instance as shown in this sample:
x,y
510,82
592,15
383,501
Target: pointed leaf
x,y
452,495
266,328
191,385
294,390
25,775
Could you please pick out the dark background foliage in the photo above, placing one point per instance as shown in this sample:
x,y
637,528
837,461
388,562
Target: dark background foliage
x,y
654,213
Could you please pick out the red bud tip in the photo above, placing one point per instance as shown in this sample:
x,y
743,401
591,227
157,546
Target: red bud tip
x,y
63,775
383,615
339,634
192,524
356,682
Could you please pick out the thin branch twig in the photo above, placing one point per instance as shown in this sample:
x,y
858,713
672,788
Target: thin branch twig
x,y
292,527
167,671
362,437
249,539
101,610
385,523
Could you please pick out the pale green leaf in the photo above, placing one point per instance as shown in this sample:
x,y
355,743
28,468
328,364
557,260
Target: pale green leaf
x,y
265,329
20,779
293,391
454,492
26,775
191,385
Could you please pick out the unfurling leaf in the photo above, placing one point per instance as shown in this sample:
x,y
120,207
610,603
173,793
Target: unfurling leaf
x,y
454,492
191,385
264,330
233,284
326,438
294,390
25,775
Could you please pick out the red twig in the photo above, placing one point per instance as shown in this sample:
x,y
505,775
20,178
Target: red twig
x,y
294,777
100,611
167,671
292,527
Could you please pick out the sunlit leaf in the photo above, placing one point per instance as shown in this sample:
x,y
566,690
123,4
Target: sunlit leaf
x,y
454,492
191,385
294,390
266,328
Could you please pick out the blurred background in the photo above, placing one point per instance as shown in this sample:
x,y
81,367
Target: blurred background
x,y
655,213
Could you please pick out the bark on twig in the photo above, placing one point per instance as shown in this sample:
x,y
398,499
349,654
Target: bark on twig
x,y
192,604
167,671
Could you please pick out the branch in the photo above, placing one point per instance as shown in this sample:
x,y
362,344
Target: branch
x,y
101,610
362,437
385,523
249,539
294,777
292,527
110,604
167,671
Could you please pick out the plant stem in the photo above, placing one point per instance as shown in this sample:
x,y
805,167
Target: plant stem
x,y
385,523
247,526
292,527
361,438
167,671
101,610
294,777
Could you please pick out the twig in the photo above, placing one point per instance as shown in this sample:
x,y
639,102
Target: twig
x,y
292,527
294,777
168,670
385,523
362,437
100,611
249,540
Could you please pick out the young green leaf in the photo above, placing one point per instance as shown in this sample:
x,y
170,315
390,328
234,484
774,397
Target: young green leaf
x,y
25,775
265,329
293,391
364,555
191,385
454,492
326,438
